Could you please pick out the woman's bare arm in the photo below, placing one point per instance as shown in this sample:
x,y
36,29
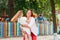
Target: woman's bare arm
x,y
24,25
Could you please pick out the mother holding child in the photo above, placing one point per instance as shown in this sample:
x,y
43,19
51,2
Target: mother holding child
x,y
28,25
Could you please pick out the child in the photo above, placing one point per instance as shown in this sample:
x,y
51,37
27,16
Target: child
x,y
23,21
25,30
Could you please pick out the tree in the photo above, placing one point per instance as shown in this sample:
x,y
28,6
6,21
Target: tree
x,y
11,8
3,7
53,15
38,6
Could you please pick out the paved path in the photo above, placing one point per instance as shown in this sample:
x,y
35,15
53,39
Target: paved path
x,y
39,38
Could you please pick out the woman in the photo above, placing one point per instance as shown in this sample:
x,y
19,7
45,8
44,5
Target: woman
x,y
31,24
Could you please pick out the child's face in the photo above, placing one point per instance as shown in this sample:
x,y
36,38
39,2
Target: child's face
x,y
21,14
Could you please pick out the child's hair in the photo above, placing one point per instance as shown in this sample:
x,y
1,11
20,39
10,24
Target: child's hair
x,y
18,14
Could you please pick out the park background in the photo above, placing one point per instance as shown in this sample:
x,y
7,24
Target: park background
x,y
10,7
50,9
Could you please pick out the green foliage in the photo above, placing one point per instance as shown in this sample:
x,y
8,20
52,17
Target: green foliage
x,y
3,5
38,6
57,4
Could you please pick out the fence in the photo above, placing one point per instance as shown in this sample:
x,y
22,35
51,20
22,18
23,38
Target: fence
x,y
9,29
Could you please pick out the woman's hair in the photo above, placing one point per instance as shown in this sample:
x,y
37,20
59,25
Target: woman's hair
x,y
31,13
0,18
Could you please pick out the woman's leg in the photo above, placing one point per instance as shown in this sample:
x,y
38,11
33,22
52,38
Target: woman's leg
x,y
33,36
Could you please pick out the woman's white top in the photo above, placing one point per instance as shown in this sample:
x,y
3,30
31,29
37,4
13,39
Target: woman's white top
x,y
32,25
22,20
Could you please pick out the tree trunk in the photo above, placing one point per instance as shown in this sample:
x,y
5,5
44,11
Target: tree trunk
x,y
4,12
11,8
53,15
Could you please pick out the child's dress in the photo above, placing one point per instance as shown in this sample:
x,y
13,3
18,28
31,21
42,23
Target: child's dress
x,y
22,20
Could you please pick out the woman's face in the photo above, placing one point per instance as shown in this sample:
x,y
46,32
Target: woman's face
x,y
28,13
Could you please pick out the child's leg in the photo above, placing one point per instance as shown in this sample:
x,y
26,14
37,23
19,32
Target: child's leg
x,y
25,37
29,37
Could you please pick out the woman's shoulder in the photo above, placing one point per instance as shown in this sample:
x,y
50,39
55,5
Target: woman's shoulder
x,y
32,18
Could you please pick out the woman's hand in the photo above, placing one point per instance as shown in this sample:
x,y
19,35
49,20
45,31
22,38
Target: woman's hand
x,y
22,31
24,25
27,21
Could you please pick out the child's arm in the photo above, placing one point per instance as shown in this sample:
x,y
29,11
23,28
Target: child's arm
x,y
15,17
